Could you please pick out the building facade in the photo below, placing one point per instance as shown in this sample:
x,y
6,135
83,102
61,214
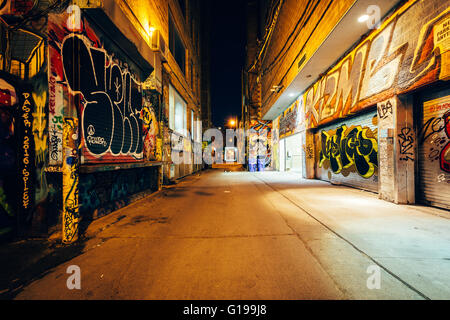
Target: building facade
x,y
96,98
358,94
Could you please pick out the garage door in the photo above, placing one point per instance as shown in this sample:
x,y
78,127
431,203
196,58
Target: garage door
x,y
348,152
434,153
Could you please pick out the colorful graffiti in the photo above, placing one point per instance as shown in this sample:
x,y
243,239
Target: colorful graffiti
x,y
347,148
275,144
107,96
445,153
434,134
71,213
386,63
104,192
55,108
259,144
150,128
288,121
23,95
8,156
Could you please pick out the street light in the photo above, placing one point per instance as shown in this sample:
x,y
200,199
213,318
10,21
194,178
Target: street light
x,y
232,122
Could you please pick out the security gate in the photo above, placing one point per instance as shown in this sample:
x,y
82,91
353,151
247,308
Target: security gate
x,y
434,153
348,152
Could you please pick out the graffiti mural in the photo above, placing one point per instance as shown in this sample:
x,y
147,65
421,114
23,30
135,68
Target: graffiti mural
x,y
276,144
434,135
23,104
150,126
55,108
106,94
288,120
350,149
71,213
103,192
385,64
445,153
259,144
433,141
8,156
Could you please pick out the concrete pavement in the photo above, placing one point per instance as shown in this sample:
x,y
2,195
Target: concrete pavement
x,y
267,235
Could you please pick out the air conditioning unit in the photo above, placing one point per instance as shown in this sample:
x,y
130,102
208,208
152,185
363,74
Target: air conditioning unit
x,y
158,44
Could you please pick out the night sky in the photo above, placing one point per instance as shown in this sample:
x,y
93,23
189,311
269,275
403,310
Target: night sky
x,y
227,58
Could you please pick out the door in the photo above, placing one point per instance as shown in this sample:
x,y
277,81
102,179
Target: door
x,y
294,154
283,155
348,152
434,152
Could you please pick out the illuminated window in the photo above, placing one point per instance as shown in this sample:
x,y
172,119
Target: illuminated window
x,y
199,130
192,125
177,110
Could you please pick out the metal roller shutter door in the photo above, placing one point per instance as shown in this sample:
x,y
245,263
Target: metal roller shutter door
x,y
350,155
434,154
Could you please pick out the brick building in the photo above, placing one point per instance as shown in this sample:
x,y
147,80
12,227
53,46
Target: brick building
x,y
93,95
357,93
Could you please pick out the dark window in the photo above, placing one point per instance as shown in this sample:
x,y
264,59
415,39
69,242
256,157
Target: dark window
x,y
176,46
192,75
182,4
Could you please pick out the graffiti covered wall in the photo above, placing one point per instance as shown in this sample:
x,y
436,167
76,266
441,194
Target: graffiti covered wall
x,y
101,193
275,144
395,59
434,152
23,124
105,91
71,212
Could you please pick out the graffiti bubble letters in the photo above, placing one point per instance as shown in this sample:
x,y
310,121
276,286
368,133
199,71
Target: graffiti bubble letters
x,y
406,143
348,147
112,100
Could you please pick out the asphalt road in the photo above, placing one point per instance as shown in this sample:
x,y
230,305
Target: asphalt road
x,y
217,236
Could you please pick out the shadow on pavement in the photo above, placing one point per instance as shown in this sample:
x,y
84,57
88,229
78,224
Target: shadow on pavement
x,y
24,261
